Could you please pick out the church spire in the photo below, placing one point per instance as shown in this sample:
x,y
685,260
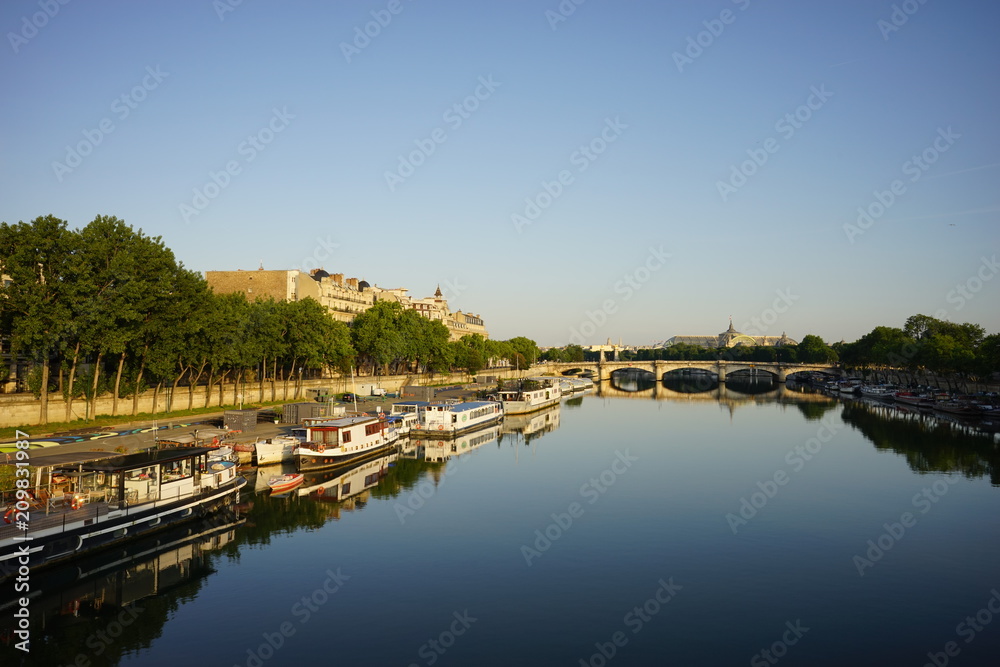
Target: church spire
x,y
437,292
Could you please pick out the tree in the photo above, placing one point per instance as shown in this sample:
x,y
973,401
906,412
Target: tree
x,y
129,275
375,335
526,348
812,349
43,260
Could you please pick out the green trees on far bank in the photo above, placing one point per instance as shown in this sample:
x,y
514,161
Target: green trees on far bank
x,y
923,343
926,343
108,310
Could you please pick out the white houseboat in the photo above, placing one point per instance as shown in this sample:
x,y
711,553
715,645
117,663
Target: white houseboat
x,y
336,442
447,420
531,395
83,501
406,415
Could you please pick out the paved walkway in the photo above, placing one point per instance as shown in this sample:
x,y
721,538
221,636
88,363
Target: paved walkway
x,y
132,436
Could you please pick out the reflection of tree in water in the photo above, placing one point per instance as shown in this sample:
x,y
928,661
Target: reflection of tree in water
x,y
815,411
929,444
405,475
574,402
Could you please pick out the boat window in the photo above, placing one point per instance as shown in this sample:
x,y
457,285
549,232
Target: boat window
x,y
148,473
347,437
175,470
372,429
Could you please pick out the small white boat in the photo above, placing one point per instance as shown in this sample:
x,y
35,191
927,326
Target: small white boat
x,y
275,450
880,391
285,483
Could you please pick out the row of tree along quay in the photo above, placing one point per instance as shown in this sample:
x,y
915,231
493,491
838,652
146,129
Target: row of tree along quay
x,y
924,347
108,310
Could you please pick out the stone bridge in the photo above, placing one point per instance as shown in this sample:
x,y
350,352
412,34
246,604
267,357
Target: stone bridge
x,y
779,370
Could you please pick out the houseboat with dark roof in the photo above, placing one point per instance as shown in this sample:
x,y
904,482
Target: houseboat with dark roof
x,y
74,503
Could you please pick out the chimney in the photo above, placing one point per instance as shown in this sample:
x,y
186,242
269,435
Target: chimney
x,y
352,282
338,278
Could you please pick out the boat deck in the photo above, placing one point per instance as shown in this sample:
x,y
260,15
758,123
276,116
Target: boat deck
x,y
38,521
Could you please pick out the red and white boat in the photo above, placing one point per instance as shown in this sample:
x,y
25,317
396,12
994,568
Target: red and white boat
x,y
284,483
338,441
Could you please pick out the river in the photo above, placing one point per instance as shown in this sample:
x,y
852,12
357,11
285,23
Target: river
x,y
639,526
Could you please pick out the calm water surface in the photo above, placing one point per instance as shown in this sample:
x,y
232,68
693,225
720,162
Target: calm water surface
x,y
688,529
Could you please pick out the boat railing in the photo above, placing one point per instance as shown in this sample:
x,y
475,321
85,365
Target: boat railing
x,y
92,508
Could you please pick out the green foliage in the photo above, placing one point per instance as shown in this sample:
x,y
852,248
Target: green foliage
x,y
928,343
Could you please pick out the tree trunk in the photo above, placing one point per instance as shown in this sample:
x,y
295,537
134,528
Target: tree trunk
x,y
260,380
173,390
208,387
118,382
138,386
298,379
44,414
70,387
193,383
93,386
156,397
222,388
274,380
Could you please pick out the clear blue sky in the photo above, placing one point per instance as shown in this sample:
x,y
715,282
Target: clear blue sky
x,y
317,193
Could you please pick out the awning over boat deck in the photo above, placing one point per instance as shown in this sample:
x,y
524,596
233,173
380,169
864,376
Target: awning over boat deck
x,y
63,459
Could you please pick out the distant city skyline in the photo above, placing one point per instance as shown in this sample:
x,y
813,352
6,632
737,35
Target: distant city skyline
x,y
633,171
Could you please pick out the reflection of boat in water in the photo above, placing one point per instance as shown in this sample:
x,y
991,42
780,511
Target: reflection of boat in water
x,y
98,598
284,483
533,425
442,450
348,481
87,500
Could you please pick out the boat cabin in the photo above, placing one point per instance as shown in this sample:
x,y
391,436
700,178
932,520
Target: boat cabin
x,y
68,481
345,431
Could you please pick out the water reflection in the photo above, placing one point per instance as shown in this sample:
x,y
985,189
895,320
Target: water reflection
x,y
101,607
531,426
701,386
929,442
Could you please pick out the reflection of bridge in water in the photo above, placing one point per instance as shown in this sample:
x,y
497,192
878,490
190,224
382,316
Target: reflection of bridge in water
x,y
735,393
722,369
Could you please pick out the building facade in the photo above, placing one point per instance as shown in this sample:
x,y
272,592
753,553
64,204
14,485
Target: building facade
x,y
731,338
344,298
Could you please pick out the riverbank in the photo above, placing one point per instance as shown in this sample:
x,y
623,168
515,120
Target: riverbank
x,y
25,410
